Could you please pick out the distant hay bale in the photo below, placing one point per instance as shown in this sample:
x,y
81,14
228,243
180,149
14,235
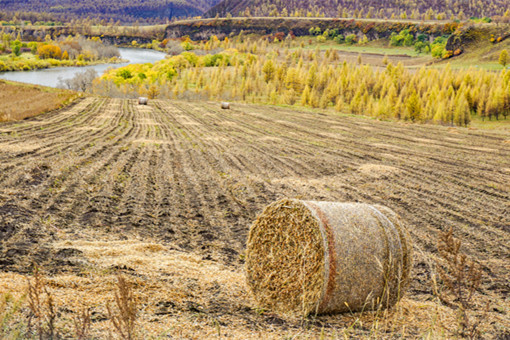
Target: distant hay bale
x,y
143,101
307,257
225,106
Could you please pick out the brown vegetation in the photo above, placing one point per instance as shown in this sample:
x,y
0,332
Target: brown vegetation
x,y
412,9
20,101
105,10
165,194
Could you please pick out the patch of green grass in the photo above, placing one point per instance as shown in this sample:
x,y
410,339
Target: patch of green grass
x,y
408,51
501,124
381,47
465,64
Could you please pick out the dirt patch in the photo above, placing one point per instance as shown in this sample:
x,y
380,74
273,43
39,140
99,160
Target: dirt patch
x,y
378,170
19,147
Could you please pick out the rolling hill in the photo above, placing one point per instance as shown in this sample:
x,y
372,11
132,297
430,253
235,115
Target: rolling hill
x,y
125,11
418,9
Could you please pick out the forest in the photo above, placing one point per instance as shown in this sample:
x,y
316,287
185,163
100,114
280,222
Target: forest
x,y
260,71
126,11
161,11
386,9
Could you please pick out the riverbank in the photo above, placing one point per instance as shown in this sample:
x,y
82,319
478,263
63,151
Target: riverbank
x,y
29,62
50,76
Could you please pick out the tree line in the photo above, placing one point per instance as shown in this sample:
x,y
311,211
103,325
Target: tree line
x,y
383,9
253,72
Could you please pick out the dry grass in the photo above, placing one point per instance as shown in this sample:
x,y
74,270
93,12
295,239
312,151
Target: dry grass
x,y
176,294
123,319
20,101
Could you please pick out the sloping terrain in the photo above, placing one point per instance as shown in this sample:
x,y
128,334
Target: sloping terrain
x,y
166,193
125,11
30,100
373,8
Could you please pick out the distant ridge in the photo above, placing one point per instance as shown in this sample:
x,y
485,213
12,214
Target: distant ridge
x,y
407,9
123,10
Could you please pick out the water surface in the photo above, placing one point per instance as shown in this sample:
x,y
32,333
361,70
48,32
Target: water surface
x,y
50,76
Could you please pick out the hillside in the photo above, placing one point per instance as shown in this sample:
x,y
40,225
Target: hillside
x,y
125,11
415,9
31,100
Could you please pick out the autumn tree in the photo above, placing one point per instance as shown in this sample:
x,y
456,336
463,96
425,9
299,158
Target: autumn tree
x,y
269,70
503,58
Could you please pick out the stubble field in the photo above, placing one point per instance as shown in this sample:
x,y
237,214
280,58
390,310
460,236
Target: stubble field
x,y
165,194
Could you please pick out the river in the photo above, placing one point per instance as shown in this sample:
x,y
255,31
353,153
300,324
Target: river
x,y
50,76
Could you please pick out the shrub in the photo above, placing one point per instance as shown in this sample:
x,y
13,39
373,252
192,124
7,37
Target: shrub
x,y
49,51
187,46
420,46
315,31
125,73
340,39
404,38
16,47
321,39
351,39
438,47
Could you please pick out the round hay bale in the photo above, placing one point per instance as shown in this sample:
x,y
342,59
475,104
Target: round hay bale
x,y
306,257
225,106
143,101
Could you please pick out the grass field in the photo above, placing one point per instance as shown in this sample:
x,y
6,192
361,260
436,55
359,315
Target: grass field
x,y
165,194
380,47
20,101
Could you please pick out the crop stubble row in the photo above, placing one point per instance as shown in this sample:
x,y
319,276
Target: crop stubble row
x,y
194,177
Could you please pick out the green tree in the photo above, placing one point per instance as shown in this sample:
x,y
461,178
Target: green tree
x,y
351,39
420,46
16,47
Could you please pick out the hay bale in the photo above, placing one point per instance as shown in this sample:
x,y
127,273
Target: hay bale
x,y
307,257
143,101
225,106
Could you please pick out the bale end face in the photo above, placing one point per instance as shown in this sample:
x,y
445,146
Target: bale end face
x,y
285,258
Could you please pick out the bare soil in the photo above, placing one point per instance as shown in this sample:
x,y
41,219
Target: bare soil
x,y
166,193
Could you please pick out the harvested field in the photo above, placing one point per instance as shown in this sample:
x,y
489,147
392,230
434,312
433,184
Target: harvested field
x,y
166,193
20,101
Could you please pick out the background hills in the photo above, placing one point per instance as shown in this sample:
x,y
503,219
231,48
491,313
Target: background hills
x,y
158,11
417,9
125,10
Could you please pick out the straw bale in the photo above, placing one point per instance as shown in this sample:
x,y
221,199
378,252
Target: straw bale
x,y
143,101
225,106
307,257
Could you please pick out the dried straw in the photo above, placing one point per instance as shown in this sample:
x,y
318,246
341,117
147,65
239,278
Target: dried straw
x,y
323,257
285,258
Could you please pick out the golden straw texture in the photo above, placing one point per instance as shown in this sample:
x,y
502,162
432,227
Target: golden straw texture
x,y
285,258
307,257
